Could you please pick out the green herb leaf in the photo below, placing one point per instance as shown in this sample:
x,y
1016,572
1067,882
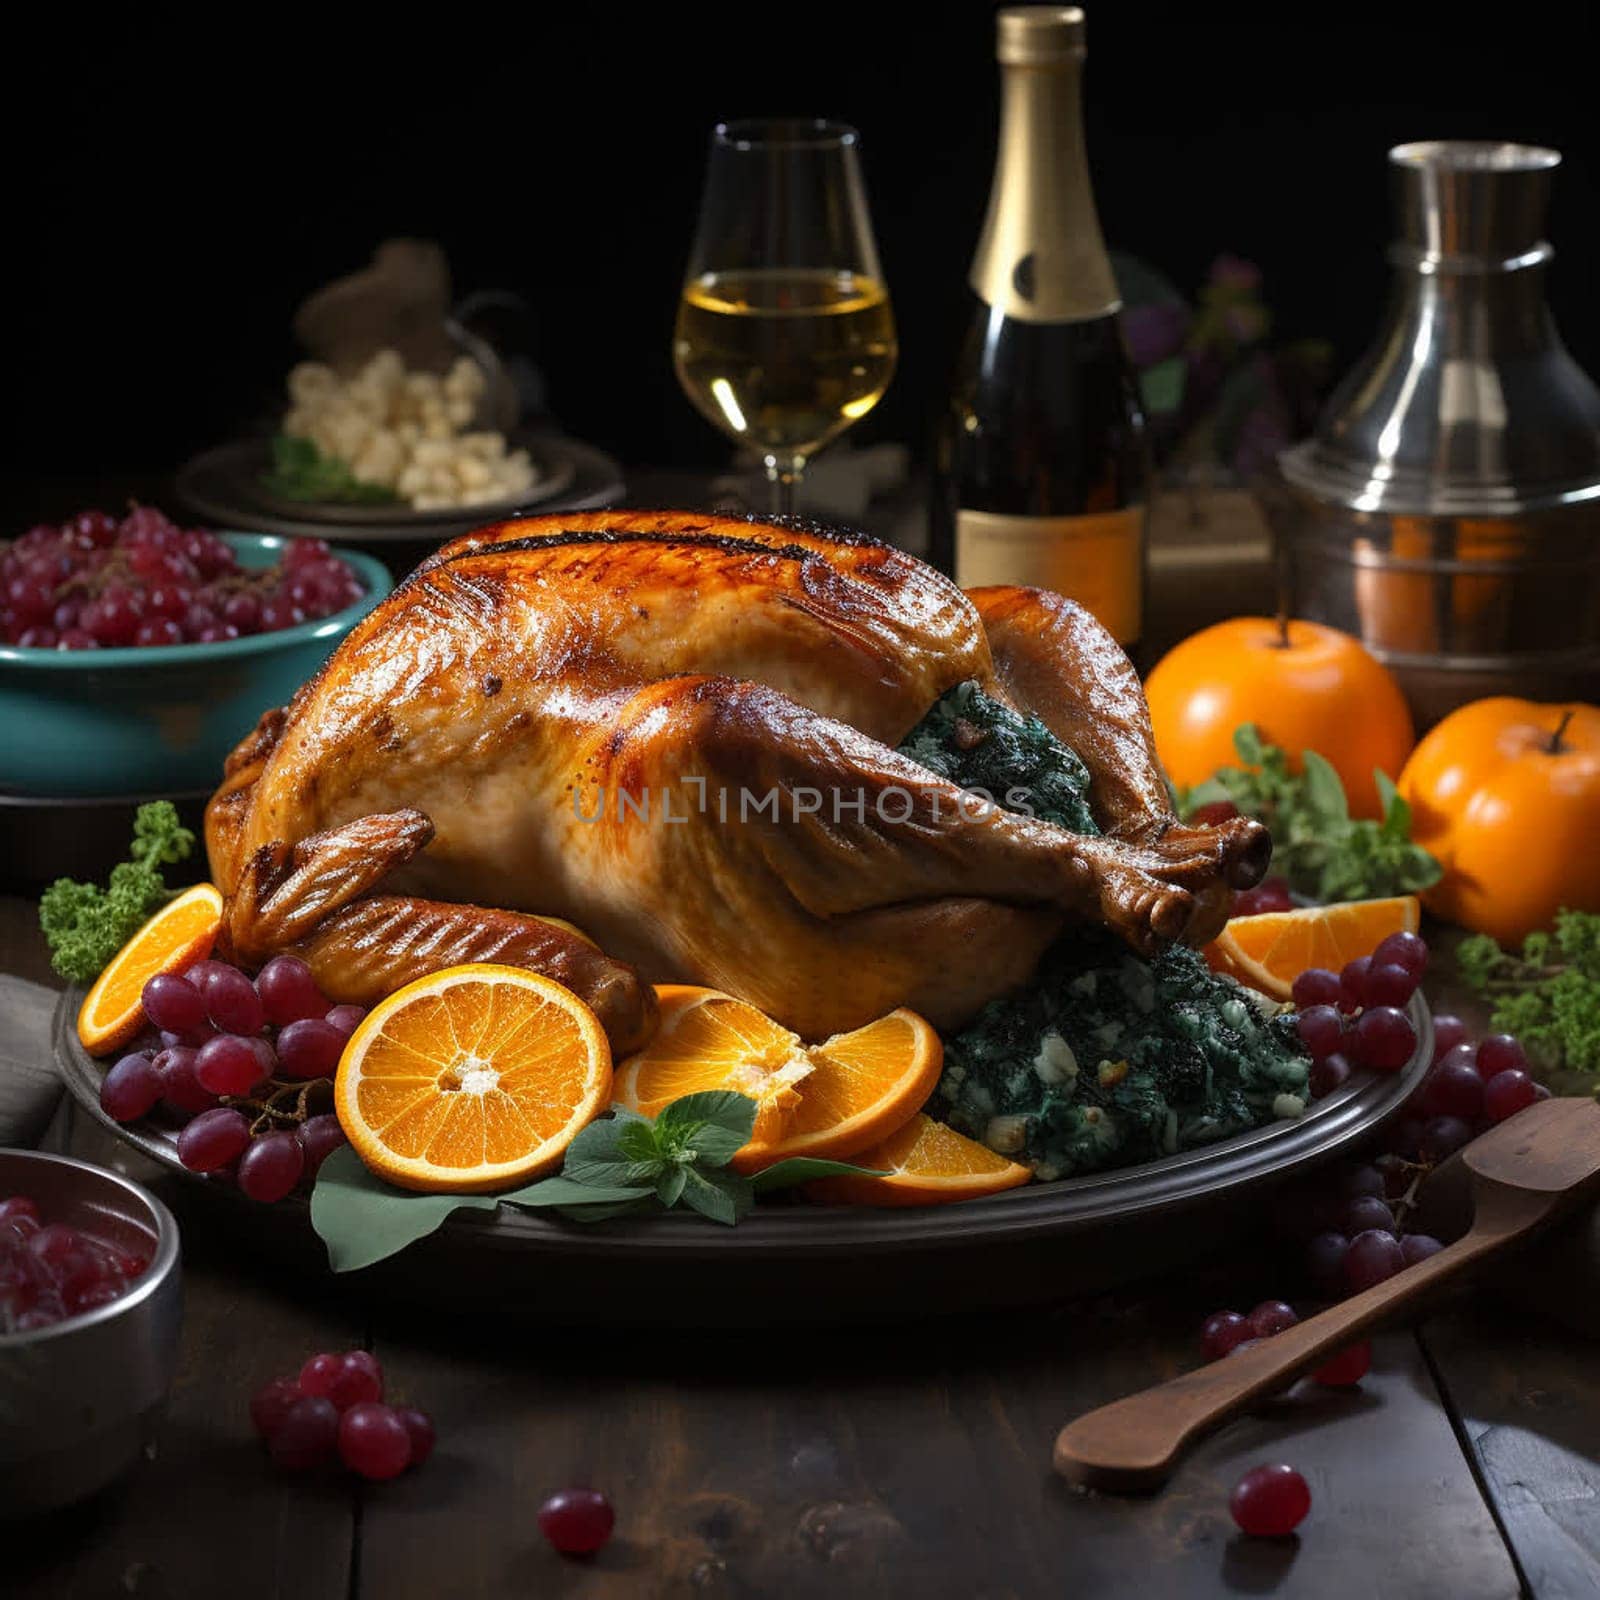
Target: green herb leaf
x,y
802,1169
670,1185
723,1196
300,471
723,1109
1324,792
361,1219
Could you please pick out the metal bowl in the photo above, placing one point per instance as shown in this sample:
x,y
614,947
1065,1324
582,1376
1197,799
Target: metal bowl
x,y
80,1400
159,718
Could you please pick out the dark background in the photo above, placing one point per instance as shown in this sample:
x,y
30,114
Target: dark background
x,y
173,195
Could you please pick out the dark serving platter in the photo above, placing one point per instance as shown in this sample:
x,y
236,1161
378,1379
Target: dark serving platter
x,y
225,484
798,1261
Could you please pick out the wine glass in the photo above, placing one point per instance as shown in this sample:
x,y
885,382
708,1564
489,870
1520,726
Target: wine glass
x,y
784,335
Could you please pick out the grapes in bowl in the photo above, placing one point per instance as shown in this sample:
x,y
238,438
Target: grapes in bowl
x,y
135,654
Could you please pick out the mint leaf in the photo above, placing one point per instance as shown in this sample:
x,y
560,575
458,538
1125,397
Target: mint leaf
x,y
1248,743
670,1185
361,1219
615,1151
723,1196
1324,792
637,1141
715,1108
802,1169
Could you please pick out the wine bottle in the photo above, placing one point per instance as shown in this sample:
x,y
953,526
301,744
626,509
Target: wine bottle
x,y
1041,472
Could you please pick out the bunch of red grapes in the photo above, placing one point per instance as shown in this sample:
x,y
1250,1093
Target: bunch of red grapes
x,y
1355,1017
224,1040
333,1408
97,583
49,1271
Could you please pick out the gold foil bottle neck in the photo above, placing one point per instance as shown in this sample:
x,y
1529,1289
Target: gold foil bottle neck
x,y
1041,257
1038,35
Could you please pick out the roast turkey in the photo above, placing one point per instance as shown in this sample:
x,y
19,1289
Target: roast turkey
x,y
676,732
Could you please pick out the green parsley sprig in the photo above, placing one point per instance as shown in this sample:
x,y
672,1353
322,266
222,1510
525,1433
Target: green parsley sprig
x,y
300,471
85,925
1318,846
1547,993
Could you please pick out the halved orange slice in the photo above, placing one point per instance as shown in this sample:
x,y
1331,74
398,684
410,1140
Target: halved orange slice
x,y
471,1079
925,1164
1271,950
178,936
829,1099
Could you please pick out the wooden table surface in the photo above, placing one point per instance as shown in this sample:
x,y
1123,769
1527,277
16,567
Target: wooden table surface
x,y
873,1462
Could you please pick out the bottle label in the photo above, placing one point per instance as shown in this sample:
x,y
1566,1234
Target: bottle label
x,y
1095,559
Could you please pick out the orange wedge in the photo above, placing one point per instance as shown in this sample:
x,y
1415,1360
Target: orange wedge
x,y
829,1099
926,1164
471,1079
1271,950
180,934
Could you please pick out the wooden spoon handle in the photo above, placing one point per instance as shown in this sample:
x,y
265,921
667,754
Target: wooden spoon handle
x,y
1134,1443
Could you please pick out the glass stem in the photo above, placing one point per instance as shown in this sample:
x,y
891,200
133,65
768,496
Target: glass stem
x,y
784,475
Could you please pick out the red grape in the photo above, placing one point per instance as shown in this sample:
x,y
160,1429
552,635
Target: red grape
x,y
169,600
319,1371
271,1403
278,614
217,633
320,1137
1346,1369
1270,1317
310,1048
1367,1211
1270,1502
1384,1039
181,1090
1403,950
358,1380
1321,1030
1328,1074
157,630
305,552
1506,1093
1389,984
1353,983
271,1167
1448,1031
577,1521
288,991
1220,1332
214,1140
1372,1257
173,1004
130,1089
1271,894
307,1434
243,610
1442,1137
228,1065
1316,986
419,1429
1463,1054
232,1002
345,1018
37,638
1453,1089
1501,1052
373,1441
1417,1247
1325,1262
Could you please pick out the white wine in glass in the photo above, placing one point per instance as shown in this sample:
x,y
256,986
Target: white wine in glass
x,y
785,335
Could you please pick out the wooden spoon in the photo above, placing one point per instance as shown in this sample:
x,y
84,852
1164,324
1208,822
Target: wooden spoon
x,y
1524,1172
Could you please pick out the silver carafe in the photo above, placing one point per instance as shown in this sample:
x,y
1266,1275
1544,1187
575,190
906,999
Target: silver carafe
x,y
1447,508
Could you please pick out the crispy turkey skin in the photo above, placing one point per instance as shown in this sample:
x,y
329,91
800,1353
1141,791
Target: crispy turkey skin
x,y
676,731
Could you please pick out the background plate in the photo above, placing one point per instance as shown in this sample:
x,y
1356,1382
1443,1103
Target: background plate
x,y
225,485
797,1261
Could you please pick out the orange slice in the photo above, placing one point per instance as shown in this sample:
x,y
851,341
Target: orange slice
x,y
180,934
926,1164
471,1079
829,1099
1271,950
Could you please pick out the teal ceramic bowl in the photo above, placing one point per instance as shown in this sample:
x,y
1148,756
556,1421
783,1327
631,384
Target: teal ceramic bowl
x,y
158,719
